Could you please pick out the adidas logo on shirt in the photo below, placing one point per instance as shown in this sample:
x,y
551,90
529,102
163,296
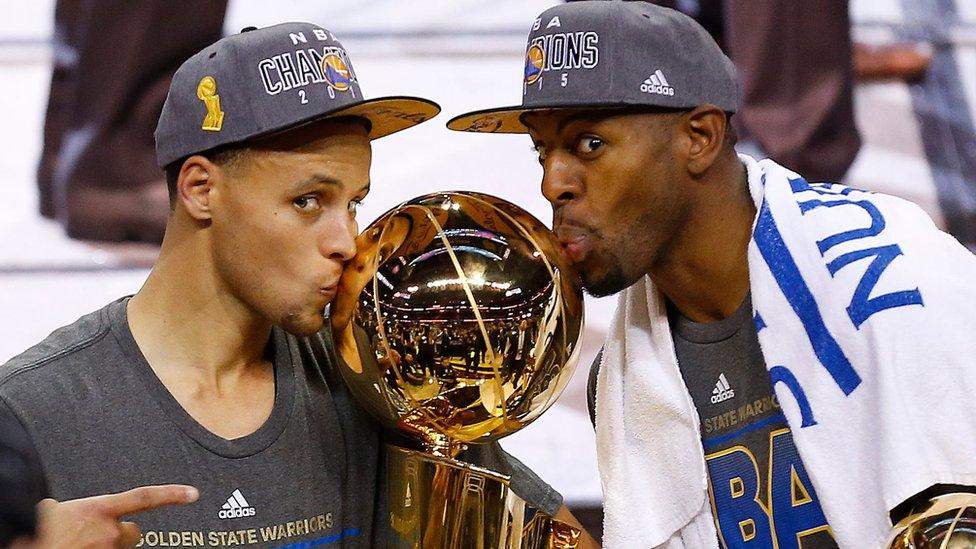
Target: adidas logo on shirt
x,y
656,83
722,391
236,507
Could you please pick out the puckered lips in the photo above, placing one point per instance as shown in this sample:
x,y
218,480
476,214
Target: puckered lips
x,y
574,239
329,290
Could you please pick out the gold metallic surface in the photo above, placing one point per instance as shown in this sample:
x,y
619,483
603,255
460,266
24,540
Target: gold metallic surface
x,y
946,522
207,92
465,327
472,316
481,509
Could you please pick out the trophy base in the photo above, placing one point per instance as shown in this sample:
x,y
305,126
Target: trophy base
x,y
440,503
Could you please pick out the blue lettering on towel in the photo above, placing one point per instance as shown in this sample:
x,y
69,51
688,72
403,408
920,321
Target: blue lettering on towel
x,y
771,245
862,305
773,249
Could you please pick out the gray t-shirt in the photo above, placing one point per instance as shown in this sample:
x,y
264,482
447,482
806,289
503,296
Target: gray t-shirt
x,y
759,489
312,475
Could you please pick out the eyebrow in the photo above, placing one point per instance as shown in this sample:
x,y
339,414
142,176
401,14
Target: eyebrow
x,y
316,179
322,179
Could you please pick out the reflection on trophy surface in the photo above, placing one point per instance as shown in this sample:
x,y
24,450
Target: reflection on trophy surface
x,y
945,522
465,327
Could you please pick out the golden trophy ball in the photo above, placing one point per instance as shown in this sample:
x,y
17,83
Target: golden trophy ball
x,y
458,323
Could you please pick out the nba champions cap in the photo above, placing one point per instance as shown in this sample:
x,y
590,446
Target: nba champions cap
x,y
611,53
264,81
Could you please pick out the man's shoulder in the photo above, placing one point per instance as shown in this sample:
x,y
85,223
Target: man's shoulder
x,y
67,346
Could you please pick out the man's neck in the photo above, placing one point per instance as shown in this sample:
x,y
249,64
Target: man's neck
x,y
183,319
205,345
706,273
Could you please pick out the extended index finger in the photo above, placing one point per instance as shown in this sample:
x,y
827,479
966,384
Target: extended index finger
x,y
146,498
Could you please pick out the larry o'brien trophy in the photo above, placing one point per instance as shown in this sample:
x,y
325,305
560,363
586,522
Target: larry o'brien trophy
x,y
465,327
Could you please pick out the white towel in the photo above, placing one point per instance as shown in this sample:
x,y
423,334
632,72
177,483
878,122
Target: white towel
x,y
876,386
650,454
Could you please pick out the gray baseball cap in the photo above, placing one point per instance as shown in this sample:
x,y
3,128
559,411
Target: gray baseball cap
x,y
264,81
612,54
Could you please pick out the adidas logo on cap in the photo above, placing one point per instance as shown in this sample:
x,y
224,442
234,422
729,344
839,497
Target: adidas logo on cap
x,y
236,507
657,83
722,391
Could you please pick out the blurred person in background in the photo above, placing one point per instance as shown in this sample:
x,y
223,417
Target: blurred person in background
x,y
797,67
22,483
113,61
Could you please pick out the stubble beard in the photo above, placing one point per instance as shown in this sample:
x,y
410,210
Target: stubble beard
x,y
619,274
610,283
301,323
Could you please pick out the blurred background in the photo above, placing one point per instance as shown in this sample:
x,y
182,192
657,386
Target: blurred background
x,y
879,94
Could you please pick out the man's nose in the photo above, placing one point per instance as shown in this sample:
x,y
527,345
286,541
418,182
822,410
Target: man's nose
x,y
560,184
340,242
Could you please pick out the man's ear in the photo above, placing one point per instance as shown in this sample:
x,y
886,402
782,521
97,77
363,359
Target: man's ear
x,y
193,188
705,129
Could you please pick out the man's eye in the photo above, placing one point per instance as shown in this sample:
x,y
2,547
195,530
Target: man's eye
x,y
306,203
354,205
588,144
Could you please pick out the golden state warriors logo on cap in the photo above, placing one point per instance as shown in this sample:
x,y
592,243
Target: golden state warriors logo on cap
x,y
336,73
535,59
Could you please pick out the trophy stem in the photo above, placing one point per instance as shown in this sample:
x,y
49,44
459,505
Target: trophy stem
x,y
431,439
439,503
